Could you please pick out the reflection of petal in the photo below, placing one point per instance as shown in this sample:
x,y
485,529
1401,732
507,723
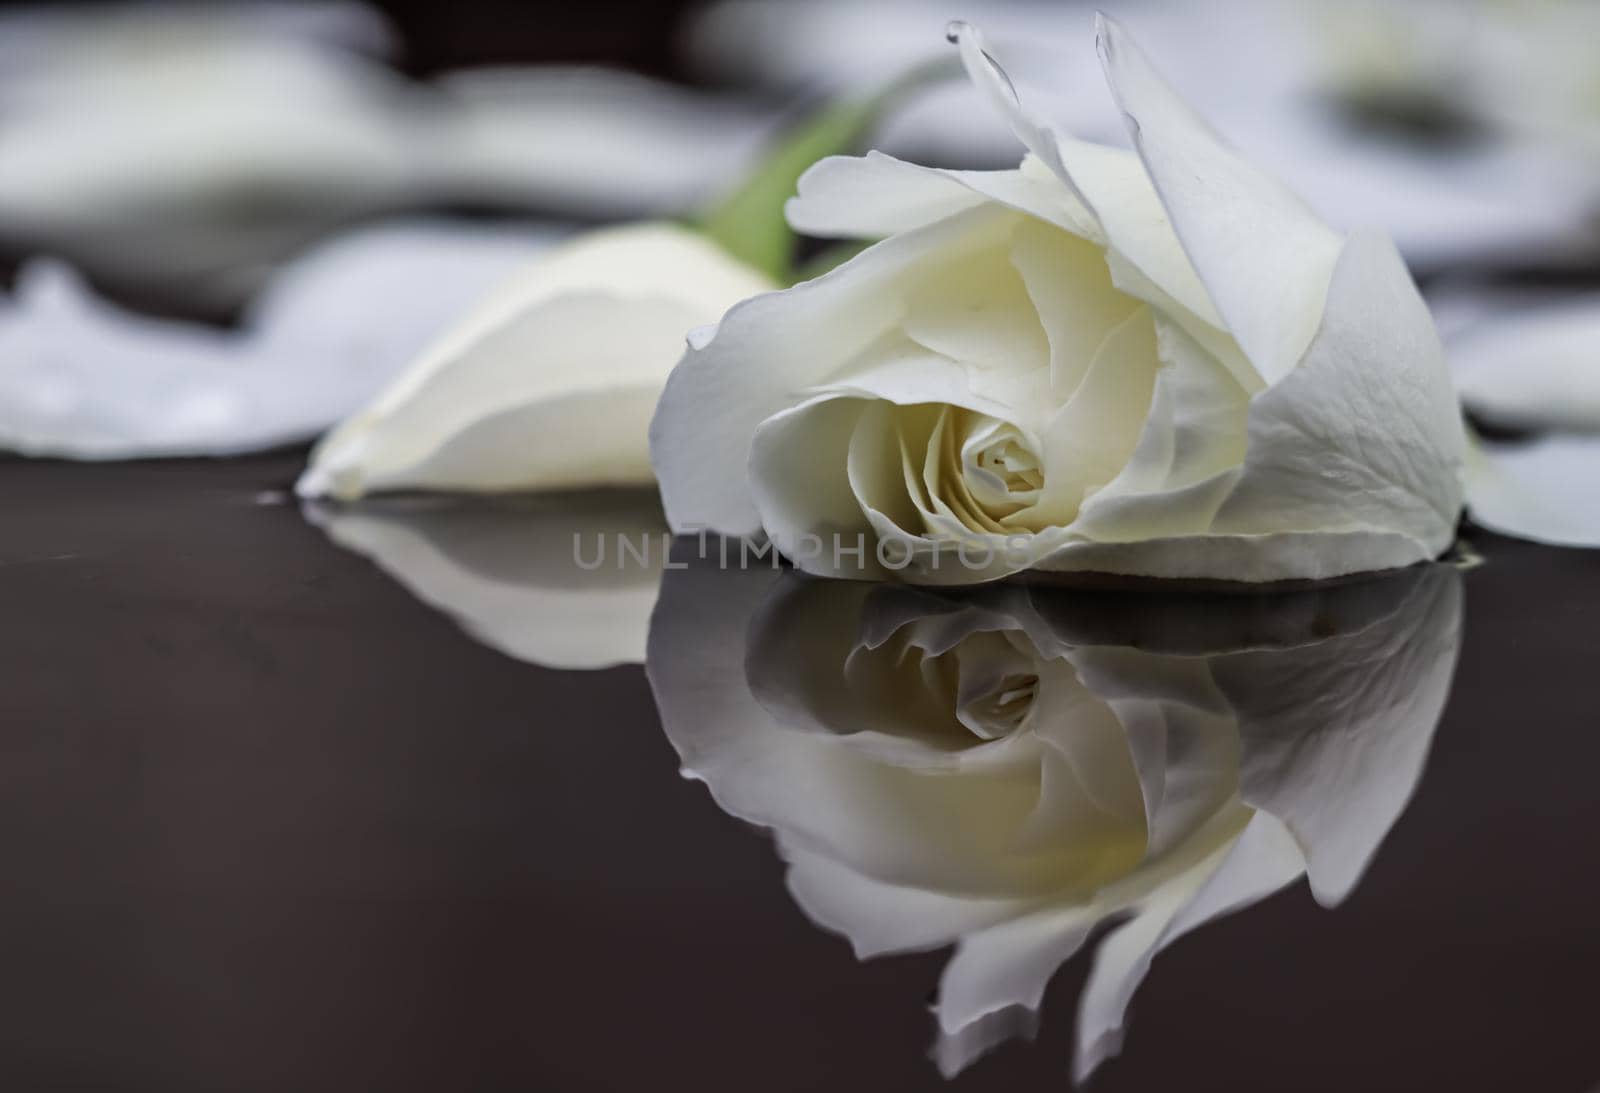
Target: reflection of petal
x,y
880,918
81,379
508,571
1547,489
956,1051
1008,964
1263,860
1335,735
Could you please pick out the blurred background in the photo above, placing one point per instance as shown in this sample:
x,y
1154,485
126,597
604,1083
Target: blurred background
x,y
275,205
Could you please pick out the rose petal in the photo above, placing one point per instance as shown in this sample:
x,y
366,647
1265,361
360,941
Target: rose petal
x,y
1090,438
1365,433
1265,258
1539,369
1546,490
1186,460
801,336
875,196
549,383
979,313
1070,289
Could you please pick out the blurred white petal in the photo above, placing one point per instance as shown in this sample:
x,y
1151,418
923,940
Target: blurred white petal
x,y
32,36
83,379
1258,70
211,125
507,571
1532,369
1546,489
373,298
190,149
588,140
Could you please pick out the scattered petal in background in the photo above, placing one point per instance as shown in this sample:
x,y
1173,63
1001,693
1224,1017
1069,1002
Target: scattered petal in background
x,y
590,141
550,382
179,149
83,379
32,35
1533,367
1290,102
372,299
508,569
1546,489
1527,366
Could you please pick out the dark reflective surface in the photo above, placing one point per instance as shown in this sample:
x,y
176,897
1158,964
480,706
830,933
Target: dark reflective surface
x,y
269,822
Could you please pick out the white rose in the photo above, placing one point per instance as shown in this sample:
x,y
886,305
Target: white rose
x,y
550,382
1007,768
1158,364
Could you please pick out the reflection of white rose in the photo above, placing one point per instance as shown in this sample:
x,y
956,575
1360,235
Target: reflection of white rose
x,y
1159,364
550,382
1008,769
542,579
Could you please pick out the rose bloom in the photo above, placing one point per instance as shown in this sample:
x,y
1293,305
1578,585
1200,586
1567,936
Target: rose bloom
x,y
1156,363
549,381
1008,768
